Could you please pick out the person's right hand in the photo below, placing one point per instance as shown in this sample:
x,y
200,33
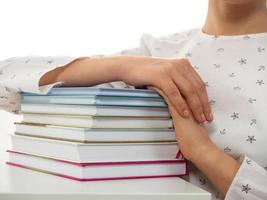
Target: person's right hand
x,y
175,77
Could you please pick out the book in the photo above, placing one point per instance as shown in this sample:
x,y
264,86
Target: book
x,y
87,121
122,92
92,135
98,171
95,100
95,152
94,110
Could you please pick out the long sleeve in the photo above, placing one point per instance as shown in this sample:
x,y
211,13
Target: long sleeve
x,y
22,74
249,183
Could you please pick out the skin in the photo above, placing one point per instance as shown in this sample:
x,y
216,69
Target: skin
x,y
224,18
175,77
236,17
179,84
197,147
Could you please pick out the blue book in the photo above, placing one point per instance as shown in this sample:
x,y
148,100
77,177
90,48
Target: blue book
x,y
97,96
94,100
97,91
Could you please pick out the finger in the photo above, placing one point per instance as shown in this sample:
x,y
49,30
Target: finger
x,y
202,92
170,105
174,97
191,96
174,113
194,78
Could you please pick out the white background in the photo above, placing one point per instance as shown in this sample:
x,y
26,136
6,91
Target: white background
x,y
84,28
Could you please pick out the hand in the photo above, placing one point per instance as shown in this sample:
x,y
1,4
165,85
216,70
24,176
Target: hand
x,y
197,147
176,78
192,136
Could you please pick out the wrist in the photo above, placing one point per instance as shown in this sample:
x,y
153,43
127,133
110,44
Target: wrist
x,y
112,66
125,66
121,63
218,166
205,152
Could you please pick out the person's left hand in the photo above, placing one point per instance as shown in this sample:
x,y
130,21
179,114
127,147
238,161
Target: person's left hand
x,y
192,136
197,147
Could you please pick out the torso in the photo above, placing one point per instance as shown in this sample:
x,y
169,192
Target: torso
x,y
234,69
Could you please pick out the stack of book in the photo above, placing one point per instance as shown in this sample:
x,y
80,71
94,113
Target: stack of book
x,y
91,133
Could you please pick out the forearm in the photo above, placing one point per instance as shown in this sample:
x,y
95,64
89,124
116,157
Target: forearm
x,y
196,146
166,74
86,72
219,167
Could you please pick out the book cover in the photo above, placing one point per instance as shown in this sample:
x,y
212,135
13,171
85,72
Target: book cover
x,y
95,100
122,92
94,135
99,171
87,121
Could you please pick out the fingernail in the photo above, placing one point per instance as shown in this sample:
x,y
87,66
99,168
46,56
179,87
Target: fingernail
x,y
203,118
203,123
186,113
210,117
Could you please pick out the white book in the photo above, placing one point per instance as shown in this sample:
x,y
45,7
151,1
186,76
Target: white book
x,y
95,100
95,152
97,121
95,135
95,110
99,171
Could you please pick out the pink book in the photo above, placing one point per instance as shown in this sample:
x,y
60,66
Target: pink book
x,y
95,171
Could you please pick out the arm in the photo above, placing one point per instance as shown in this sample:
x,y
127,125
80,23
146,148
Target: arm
x,y
170,75
219,167
197,147
234,179
175,77
243,179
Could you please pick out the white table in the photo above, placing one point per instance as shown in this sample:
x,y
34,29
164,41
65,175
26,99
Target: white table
x,y
22,184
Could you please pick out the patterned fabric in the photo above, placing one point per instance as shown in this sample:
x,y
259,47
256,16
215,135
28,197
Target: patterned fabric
x,y
23,74
234,71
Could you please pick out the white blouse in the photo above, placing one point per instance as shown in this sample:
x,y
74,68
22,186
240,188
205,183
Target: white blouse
x,y
234,70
